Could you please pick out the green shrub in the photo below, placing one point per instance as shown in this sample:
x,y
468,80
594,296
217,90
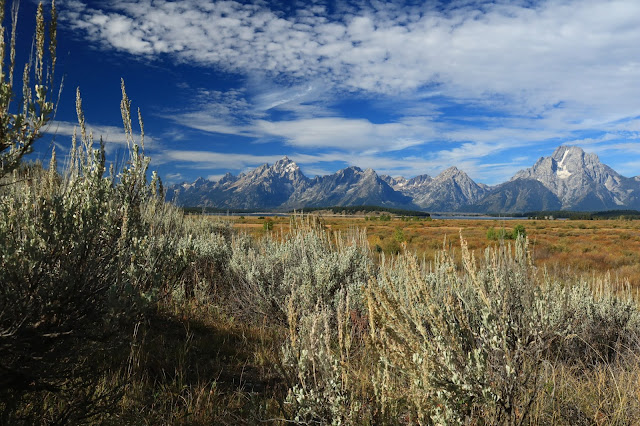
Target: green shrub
x,y
502,234
518,231
391,246
398,235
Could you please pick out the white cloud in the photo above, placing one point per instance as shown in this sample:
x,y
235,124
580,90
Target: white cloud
x,y
304,100
213,160
208,121
174,177
582,53
346,134
314,126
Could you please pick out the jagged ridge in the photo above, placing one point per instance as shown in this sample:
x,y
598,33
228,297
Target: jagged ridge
x,y
569,179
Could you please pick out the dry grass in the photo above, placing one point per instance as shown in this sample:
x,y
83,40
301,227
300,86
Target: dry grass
x,y
194,365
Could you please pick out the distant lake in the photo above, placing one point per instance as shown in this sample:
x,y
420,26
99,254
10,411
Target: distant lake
x,y
449,217
433,216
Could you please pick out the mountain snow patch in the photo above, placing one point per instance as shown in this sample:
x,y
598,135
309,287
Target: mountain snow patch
x,y
562,171
290,167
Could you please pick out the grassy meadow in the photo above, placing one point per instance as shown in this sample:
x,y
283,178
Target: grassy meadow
x,y
117,308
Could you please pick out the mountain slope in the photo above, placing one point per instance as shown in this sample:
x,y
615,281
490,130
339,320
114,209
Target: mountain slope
x,y
517,196
582,182
349,187
449,191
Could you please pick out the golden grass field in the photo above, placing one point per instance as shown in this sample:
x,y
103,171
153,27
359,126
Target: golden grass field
x,y
564,247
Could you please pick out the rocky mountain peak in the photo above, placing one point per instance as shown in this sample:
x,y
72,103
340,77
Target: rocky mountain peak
x,y
287,169
419,180
452,173
393,181
572,159
413,186
580,180
349,172
448,191
227,178
198,183
285,165
258,170
564,151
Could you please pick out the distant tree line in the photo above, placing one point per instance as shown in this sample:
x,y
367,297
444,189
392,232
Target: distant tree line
x,y
347,210
572,215
352,210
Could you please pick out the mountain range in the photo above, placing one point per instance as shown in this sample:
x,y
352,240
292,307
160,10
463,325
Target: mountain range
x,y
569,179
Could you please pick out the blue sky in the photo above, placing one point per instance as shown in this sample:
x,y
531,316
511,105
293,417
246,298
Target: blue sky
x,y
405,88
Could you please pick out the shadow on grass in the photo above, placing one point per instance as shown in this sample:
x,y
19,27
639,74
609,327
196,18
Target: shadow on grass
x,y
191,366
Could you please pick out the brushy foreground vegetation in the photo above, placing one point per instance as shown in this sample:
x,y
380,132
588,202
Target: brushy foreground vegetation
x,y
116,308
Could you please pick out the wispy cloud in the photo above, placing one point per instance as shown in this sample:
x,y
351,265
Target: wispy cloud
x,y
347,134
313,125
214,111
578,52
213,160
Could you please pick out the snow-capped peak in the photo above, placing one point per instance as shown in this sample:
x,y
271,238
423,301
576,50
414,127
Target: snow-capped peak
x,y
285,166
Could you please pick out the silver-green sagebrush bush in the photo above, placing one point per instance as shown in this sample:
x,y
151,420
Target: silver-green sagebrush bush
x,y
68,244
307,265
313,365
83,252
474,344
23,114
492,342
